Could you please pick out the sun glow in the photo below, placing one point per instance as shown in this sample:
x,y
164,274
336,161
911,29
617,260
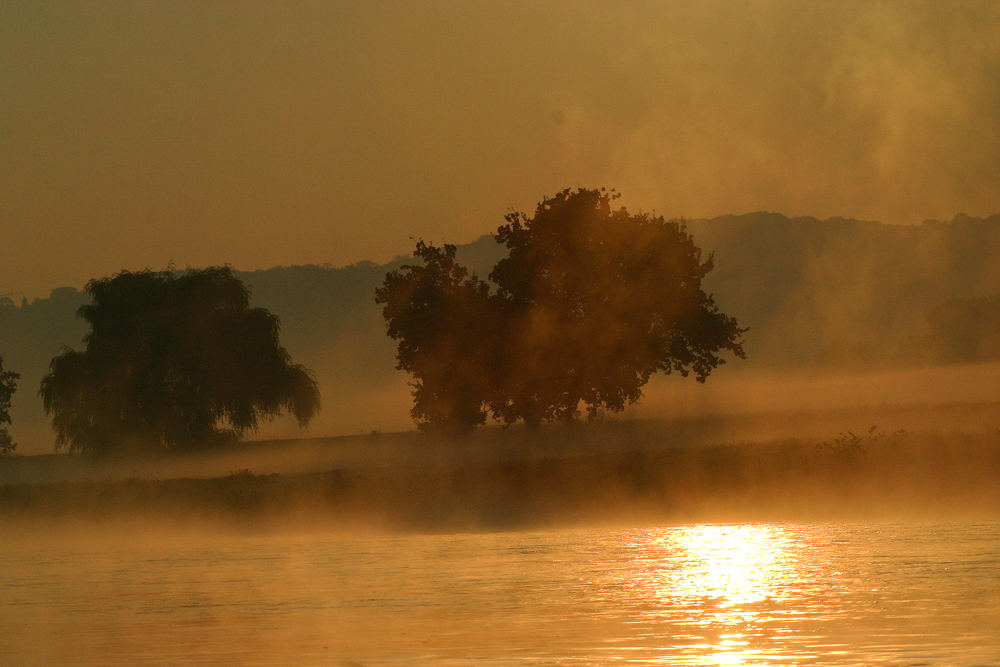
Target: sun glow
x,y
733,565
726,579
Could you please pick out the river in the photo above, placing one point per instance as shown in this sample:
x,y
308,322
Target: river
x,y
709,594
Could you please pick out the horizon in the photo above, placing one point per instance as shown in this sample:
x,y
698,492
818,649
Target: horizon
x,y
47,293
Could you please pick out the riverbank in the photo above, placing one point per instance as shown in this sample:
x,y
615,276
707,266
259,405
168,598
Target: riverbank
x,y
512,479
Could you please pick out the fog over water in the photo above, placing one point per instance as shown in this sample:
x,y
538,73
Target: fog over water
x,y
831,499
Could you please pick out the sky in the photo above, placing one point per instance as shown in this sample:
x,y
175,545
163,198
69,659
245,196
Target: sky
x,y
260,133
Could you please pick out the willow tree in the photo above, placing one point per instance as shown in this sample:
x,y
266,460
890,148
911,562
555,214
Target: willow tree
x,y
172,361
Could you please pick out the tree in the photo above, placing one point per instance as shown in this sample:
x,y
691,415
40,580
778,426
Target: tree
x,y
172,361
8,385
589,303
442,318
596,300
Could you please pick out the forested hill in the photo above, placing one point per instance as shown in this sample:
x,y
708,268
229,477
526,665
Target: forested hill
x,y
813,292
851,292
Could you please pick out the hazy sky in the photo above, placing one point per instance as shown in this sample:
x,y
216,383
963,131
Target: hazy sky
x,y
136,133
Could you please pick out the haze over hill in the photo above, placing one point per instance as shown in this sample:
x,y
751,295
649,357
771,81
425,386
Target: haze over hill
x,y
831,295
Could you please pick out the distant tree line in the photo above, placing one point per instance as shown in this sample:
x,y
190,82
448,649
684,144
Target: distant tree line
x,y
589,302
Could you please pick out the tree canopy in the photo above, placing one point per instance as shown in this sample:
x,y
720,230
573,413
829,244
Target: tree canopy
x,y
597,300
8,385
172,360
442,318
589,302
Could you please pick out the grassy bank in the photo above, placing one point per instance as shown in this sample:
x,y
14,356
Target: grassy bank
x,y
510,479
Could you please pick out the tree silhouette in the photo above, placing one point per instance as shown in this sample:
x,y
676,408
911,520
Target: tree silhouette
x,y
590,302
172,361
8,385
596,300
442,318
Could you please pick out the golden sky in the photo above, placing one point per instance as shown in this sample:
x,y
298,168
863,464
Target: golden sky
x,y
262,133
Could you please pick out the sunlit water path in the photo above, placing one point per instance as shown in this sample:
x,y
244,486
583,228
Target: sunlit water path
x,y
694,594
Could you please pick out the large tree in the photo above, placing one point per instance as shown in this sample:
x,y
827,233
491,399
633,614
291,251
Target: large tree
x,y
172,360
590,301
441,316
596,300
8,384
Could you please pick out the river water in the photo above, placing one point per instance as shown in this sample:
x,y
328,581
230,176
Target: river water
x,y
709,594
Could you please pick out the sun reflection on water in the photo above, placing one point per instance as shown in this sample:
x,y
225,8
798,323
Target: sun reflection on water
x,y
721,583
733,564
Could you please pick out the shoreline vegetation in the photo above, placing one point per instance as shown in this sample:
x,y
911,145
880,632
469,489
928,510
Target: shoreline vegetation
x,y
738,469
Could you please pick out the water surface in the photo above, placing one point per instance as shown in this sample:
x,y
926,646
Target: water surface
x,y
741,594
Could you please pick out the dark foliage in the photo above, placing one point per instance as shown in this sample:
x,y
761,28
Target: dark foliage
x,y
596,300
442,317
172,361
8,385
590,302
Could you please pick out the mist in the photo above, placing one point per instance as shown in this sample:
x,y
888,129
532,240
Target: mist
x,y
831,498
262,134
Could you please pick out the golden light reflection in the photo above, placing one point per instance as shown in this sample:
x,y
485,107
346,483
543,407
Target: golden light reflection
x,y
725,579
733,564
